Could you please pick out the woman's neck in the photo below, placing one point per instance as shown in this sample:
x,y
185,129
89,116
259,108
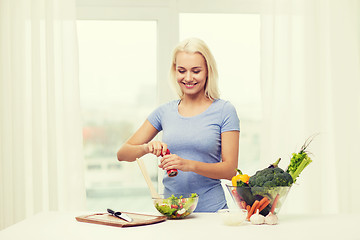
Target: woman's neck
x,y
195,100
189,107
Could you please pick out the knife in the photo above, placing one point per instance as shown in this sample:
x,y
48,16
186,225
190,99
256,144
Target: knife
x,y
120,215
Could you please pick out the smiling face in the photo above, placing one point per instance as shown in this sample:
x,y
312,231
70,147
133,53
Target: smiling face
x,y
191,73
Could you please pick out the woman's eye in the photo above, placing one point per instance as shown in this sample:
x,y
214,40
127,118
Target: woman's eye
x,y
181,71
196,72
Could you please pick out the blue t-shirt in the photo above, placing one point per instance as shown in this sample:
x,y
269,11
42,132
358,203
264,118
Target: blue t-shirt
x,y
196,138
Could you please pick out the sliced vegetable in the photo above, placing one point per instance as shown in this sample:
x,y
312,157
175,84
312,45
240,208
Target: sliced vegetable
x,y
177,207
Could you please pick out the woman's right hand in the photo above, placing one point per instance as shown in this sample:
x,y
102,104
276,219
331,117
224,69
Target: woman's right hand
x,y
156,147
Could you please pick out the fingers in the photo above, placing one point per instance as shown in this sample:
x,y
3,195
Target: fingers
x,y
171,161
157,148
165,162
164,148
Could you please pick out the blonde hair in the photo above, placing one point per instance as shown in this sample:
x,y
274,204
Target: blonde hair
x,y
195,45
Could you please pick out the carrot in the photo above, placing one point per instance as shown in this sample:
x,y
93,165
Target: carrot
x,y
264,199
274,203
243,204
248,208
264,205
256,203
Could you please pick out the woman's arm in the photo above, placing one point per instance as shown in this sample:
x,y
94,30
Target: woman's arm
x,y
138,144
225,169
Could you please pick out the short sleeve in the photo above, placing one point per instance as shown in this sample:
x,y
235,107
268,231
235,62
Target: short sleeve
x,y
230,120
155,118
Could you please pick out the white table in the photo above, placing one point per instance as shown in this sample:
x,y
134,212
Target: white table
x,y
198,226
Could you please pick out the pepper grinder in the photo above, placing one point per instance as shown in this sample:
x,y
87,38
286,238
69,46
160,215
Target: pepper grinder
x,y
170,172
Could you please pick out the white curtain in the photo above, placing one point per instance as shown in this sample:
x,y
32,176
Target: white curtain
x,y
41,163
311,84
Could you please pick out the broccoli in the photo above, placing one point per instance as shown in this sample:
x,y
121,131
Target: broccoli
x,y
272,176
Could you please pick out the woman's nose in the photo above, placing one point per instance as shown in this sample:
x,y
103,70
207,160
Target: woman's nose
x,y
188,76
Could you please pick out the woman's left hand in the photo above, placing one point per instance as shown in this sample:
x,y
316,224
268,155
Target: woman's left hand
x,y
173,161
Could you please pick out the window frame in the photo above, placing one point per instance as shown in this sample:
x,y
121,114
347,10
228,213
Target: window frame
x,y
141,10
166,13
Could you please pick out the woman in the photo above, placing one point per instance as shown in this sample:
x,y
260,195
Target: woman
x,y
200,130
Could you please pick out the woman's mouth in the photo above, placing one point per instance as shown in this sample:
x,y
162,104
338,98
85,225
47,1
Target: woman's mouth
x,y
189,85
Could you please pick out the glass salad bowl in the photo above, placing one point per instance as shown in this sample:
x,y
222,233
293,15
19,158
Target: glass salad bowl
x,y
266,199
176,206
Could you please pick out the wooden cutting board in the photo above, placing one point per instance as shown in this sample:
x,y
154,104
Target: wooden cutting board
x,y
107,219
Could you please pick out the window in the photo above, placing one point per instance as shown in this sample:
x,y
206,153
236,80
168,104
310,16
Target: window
x,y
125,50
118,91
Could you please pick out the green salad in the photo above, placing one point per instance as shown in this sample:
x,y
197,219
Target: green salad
x,y
177,207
